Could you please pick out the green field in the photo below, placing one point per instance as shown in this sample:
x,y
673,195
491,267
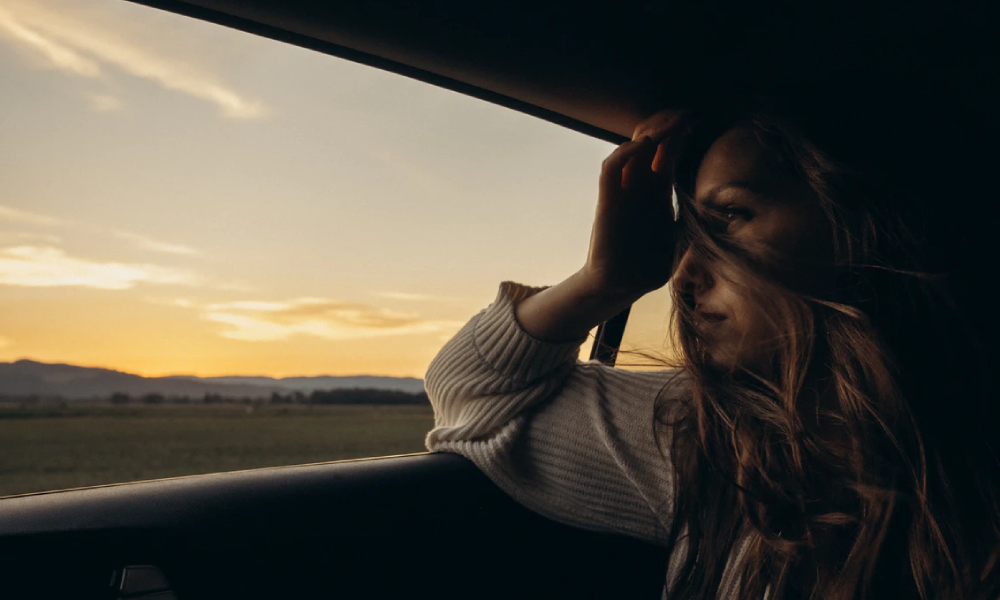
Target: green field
x,y
48,448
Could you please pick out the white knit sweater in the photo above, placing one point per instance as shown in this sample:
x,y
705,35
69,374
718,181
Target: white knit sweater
x,y
576,442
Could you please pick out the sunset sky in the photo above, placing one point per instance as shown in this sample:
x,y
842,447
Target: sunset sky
x,y
178,197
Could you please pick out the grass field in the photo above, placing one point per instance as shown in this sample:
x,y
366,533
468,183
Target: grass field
x,y
47,448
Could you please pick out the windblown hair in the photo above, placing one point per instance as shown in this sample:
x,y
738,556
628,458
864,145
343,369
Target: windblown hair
x,y
859,463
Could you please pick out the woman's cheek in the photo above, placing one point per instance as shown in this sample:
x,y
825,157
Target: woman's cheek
x,y
725,341
747,338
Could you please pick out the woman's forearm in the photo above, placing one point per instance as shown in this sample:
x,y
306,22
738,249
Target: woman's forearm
x,y
569,311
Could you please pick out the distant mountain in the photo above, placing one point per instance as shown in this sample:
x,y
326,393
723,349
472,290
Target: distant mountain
x,y
28,377
323,382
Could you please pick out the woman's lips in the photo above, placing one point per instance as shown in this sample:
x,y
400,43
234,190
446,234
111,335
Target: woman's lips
x,y
707,324
710,317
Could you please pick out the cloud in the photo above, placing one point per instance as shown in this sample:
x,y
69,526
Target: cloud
x,y
79,49
22,216
174,302
18,237
156,246
329,319
59,56
141,241
235,286
408,297
46,266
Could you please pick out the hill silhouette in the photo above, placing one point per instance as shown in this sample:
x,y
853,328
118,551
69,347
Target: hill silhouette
x,y
71,382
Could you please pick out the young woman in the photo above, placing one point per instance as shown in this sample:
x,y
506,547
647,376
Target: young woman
x,y
827,433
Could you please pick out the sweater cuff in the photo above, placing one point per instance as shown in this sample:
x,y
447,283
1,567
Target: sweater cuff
x,y
511,351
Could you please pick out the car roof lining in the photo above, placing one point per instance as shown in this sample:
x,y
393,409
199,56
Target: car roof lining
x,y
286,28
599,70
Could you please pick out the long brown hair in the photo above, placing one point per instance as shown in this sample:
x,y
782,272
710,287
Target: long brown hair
x,y
859,463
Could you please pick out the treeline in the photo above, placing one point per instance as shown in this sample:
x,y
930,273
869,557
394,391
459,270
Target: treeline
x,y
325,397
352,396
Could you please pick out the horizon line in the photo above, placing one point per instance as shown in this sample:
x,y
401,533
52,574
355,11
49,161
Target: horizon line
x,y
147,376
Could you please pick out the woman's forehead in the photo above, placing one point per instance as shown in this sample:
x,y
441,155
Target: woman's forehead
x,y
736,157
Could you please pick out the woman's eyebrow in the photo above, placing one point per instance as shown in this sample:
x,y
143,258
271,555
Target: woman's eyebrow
x,y
712,195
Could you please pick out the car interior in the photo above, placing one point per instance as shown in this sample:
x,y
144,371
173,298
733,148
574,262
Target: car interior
x,y
431,525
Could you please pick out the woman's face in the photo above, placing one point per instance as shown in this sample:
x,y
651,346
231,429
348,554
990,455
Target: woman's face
x,y
775,218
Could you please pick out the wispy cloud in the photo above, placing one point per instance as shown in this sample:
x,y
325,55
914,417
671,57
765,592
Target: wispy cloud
x,y
175,302
23,216
409,297
234,286
81,49
330,319
46,266
154,245
29,218
58,55
20,237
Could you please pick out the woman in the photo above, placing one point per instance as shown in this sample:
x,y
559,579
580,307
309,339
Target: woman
x,y
826,433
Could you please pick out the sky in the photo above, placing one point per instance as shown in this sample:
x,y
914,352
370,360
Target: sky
x,y
181,198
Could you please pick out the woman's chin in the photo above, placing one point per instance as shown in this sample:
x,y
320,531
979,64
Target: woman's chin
x,y
724,360
720,361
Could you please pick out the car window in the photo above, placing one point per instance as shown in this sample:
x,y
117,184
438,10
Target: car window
x,y
221,252
646,342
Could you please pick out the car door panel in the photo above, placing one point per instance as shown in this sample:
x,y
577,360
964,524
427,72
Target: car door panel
x,y
416,526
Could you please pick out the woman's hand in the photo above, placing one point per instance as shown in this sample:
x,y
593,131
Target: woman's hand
x,y
631,245
632,242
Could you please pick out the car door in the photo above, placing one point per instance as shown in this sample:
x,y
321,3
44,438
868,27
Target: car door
x,y
428,526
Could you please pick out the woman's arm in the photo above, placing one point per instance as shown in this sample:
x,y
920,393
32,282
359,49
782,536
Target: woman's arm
x,y
577,442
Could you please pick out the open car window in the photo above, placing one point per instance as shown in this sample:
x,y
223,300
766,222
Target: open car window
x,y
192,214
647,343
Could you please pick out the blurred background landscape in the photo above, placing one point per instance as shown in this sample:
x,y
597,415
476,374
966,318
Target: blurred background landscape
x,y
63,426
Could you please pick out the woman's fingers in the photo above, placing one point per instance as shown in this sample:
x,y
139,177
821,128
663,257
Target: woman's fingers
x,y
658,125
668,128
612,169
662,159
638,171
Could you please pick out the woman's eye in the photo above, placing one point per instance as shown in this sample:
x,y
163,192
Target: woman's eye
x,y
733,213
731,217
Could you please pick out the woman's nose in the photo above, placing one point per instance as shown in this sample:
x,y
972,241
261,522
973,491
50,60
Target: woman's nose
x,y
691,277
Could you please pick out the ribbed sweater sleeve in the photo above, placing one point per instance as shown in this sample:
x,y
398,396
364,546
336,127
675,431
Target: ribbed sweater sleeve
x,y
576,442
